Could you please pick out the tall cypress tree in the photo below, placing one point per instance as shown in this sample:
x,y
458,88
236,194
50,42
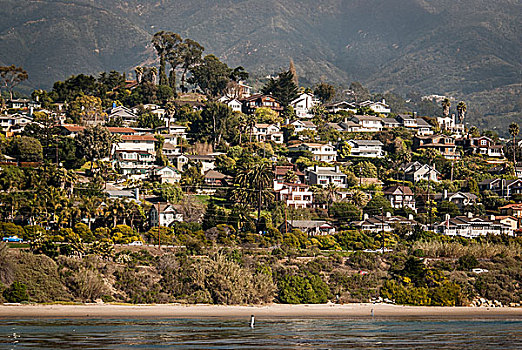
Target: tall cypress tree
x,y
283,88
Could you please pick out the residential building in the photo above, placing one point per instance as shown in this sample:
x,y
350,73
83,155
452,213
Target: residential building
x,y
165,174
267,132
471,227
250,104
321,152
135,154
377,107
400,197
294,195
418,125
390,123
14,122
461,199
303,105
416,171
481,145
323,176
126,115
206,161
233,103
310,227
386,222
341,106
514,210
502,187
302,125
168,215
442,143
280,172
216,179
368,123
366,148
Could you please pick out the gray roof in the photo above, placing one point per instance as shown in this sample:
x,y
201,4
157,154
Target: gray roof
x,y
307,223
367,142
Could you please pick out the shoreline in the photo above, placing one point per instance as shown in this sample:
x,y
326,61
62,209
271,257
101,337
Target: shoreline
x,y
261,311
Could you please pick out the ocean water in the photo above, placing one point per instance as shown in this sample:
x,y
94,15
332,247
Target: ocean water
x,y
277,333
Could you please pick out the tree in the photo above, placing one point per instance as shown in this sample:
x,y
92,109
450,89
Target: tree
x,y
94,143
359,92
149,120
461,111
267,115
165,44
211,76
377,205
27,149
85,109
254,184
446,104
514,129
292,70
11,76
283,88
190,55
325,92
213,122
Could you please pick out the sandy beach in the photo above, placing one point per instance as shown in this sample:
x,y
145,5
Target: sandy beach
x,y
266,311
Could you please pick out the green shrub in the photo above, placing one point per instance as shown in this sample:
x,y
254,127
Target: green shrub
x,y
303,290
467,262
16,293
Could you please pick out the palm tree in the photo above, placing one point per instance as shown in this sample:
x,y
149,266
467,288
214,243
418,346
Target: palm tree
x,y
290,176
461,111
139,74
446,104
115,210
89,206
330,192
255,182
514,129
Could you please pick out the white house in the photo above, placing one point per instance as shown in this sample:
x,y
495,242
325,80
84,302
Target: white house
x,y
471,227
323,176
321,152
310,227
125,114
377,107
303,105
301,125
135,154
366,148
368,123
267,132
167,215
293,194
165,174
233,103
416,171
400,197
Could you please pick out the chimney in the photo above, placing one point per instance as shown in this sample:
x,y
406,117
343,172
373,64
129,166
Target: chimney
x,y
31,110
410,216
445,194
388,214
470,215
316,167
447,217
365,216
137,194
492,217
337,168
383,101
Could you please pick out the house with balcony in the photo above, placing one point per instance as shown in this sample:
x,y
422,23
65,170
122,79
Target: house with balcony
x,y
135,155
400,197
366,148
470,226
481,145
321,152
386,222
302,125
126,115
417,125
281,171
295,195
323,176
368,123
442,143
250,104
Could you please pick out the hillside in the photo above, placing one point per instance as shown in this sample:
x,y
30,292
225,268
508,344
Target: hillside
x,y
468,49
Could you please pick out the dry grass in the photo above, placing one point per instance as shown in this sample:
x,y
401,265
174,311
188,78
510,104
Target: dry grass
x,y
479,250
